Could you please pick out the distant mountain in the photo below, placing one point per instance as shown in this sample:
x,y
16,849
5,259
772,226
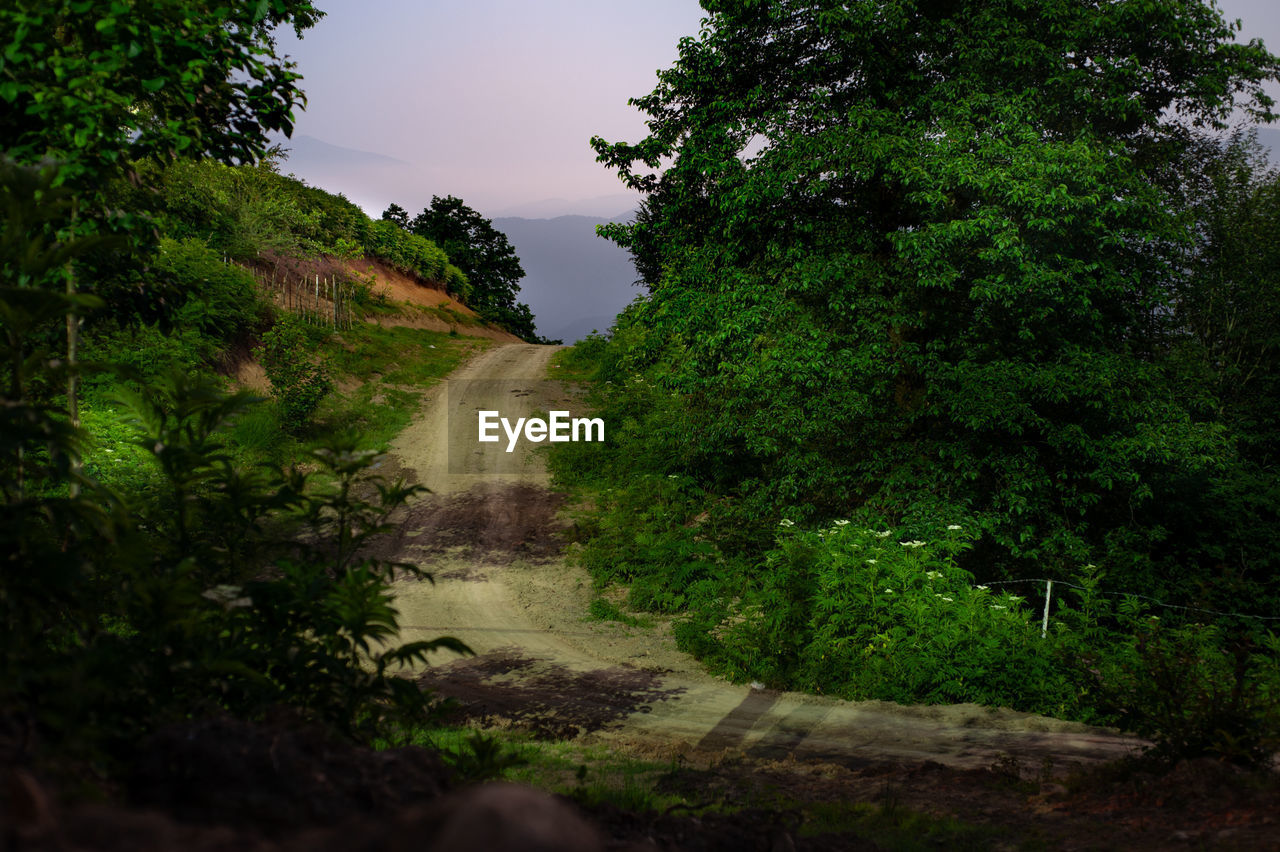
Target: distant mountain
x,y
369,179
613,208
1269,137
575,282
307,153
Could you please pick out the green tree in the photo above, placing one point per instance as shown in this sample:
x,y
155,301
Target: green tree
x,y
119,613
98,85
921,258
397,214
484,255
95,87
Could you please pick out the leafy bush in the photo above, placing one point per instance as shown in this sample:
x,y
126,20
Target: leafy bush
x,y
413,254
974,296
297,382
1192,691
241,210
218,299
861,613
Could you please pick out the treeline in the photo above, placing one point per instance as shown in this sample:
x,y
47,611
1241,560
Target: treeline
x,y
943,297
172,550
482,252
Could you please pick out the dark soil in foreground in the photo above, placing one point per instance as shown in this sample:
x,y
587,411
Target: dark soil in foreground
x,y
1201,804
227,785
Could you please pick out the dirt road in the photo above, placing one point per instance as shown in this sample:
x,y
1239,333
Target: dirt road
x,y
488,533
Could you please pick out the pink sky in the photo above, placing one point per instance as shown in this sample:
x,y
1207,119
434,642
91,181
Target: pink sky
x,y
490,100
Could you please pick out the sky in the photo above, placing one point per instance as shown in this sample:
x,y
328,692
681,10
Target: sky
x,y
494,101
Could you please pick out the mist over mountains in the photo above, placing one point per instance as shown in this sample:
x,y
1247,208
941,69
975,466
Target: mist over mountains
x,y
575,282
606,206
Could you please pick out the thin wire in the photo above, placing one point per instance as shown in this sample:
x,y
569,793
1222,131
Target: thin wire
x,y
1142,597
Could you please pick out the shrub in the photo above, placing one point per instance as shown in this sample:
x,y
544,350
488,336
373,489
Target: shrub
x,y
1194,692
862,613
217,299
297,382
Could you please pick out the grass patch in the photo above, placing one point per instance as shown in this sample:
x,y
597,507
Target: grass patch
x,y
589,774
113,456
601,609
391,368
396,354
579,362
386,370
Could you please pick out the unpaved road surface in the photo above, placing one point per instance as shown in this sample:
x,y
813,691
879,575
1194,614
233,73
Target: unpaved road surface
x,y
488,532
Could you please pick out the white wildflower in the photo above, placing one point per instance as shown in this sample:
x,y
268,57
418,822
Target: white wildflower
x,y
842,523
933,575
871,561
953,526
984,588
884,534
945,598
997,606
888,591
913,543
786,522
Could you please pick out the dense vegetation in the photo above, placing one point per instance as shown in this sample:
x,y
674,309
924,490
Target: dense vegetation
x,y
942,296
172,549
482,252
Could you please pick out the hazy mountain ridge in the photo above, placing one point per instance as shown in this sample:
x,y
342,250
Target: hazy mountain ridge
x,y
575,281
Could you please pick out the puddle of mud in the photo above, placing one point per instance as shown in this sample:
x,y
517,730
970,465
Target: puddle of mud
x,y
492,522
546,699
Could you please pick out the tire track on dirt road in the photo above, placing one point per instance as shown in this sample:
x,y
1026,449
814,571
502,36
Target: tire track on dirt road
x,y
487,531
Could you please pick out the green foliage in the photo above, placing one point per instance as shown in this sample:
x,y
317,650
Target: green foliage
x,y
579,363
647,540
1193,691
190,601
97,86
481,254
216,299
972,292
482,757
861,613
601,609
204,585
298,383
242,211
403,251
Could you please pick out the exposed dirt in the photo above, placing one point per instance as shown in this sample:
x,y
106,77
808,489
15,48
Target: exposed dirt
x,y
409,291
509,689
503,521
